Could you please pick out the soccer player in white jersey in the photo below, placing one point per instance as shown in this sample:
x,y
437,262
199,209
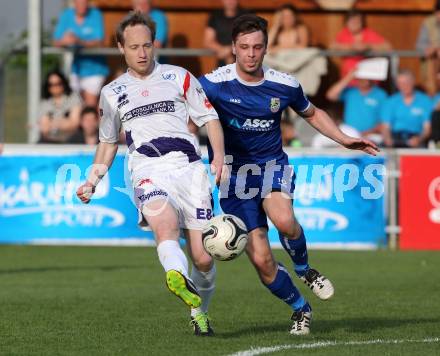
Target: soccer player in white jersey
x,y
152,103
249,99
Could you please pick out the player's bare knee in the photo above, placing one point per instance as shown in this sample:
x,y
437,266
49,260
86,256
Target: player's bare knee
x,y
203,263
265,264
297,229
285,224
163,231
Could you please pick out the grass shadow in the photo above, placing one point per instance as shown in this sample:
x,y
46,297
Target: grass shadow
x,y
357,325
66,269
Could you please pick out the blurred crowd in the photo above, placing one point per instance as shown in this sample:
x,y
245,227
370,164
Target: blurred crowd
x,y
408,117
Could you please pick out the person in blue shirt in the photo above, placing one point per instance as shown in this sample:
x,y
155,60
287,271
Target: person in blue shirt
x,y
362,105
159,17
407,114
249,99
82,26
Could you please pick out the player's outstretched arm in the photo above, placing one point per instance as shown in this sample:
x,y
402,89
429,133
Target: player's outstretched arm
x,y
320,120
104,156
216,138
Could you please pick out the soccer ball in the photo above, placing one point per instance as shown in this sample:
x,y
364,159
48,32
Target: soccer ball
x,y
225,237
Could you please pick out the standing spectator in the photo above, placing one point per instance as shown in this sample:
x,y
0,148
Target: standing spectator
x,y
407,114
429,43
219,31
355,36
59,111
79,27
89,127
362,105
287,31
159,17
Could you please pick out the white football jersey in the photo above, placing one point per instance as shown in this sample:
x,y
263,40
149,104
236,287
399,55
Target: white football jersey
x,y
154,114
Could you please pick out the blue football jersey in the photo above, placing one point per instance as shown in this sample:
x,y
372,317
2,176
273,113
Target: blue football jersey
x,y
250,113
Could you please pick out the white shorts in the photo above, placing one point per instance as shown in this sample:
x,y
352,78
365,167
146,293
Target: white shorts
x,y
92,84
187,189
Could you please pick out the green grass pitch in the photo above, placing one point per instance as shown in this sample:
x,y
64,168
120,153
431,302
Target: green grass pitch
x,y
113,301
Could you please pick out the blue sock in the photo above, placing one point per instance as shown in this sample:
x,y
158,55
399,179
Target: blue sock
x,y
297,249
283,288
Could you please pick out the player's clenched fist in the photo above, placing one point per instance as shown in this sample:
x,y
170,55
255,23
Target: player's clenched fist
x,y
85,192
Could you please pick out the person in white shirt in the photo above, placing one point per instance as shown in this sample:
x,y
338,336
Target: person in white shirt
x,y
152,104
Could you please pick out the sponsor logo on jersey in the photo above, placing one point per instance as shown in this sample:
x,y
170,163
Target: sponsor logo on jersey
x,y
145,93
161,106
275,104
169,76
119,89
203,214
200,91
122,100
154,193
235,101
257,124
101,112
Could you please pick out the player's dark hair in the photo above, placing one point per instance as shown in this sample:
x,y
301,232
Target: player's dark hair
x,y
132,19
45,93
356,13
88,110
249,23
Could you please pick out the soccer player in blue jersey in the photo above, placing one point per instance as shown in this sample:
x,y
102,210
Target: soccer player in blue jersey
x,y
249,99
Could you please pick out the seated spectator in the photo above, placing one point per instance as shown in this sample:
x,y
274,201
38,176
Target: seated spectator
x,y
428,42
287,31
362,105
320,141
406,114
82,26
159,17
59,111
218,33
435,120
89,127
288,50
355,36
435,125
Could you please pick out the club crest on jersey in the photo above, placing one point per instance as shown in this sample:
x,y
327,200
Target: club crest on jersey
x,y
119,89
275,104
169,76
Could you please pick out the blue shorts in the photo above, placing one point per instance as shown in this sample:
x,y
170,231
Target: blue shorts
x,y
250,184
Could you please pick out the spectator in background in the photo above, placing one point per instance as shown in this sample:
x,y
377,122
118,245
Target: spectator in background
x,y
82,27
362,105
287,31
159,17
218,32
59,111
355,36
288,134
89,127
406,114
429,43
435,118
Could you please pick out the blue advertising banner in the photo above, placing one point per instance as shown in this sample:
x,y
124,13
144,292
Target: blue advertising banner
x,y
338,200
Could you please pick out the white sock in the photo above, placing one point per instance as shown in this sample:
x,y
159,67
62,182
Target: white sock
x,y
205,283
171,257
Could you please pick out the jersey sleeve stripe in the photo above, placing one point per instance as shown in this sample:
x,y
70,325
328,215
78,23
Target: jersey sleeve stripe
x,y
186,84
